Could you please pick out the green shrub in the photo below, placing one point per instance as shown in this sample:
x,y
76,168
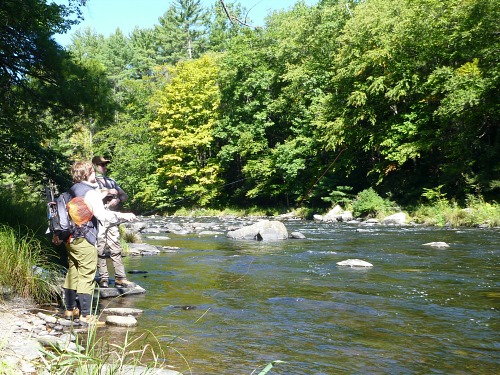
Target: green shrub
x,y
340,195
369,204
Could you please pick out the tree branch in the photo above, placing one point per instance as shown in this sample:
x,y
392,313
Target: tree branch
x,y
232,18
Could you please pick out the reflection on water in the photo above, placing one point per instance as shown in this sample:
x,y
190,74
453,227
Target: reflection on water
x,y
418,310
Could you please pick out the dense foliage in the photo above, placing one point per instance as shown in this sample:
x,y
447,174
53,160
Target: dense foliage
x,y
322,103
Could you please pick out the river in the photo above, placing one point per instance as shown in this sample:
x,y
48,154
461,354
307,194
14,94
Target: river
x,y
221,306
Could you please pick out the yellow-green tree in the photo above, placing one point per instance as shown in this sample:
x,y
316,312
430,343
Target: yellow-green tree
x,y
186,112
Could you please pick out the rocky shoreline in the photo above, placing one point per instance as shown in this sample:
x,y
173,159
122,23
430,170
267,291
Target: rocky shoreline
x,y
26,330
18,348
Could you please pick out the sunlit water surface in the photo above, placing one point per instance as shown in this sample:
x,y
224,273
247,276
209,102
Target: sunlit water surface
x,y
221,306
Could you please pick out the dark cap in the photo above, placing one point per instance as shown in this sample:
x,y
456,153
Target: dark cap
x,y
99,160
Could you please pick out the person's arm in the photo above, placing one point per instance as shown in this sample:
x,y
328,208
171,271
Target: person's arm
x,y
94,198
118,194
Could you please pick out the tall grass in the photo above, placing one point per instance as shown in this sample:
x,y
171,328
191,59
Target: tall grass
x,y
445,213
99,356
25,269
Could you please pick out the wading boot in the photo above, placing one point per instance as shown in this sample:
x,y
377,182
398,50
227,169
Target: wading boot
x,y
71,312
86,319
104,283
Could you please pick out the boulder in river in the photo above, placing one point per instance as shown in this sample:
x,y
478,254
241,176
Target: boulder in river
x,y
398,218
264,230
297,235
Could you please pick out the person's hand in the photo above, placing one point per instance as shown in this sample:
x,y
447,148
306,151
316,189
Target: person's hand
x,y
113,202
112,192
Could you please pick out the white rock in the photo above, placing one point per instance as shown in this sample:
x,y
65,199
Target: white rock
x,y
297,235
333,214
121,321
354,263
395,219
437,244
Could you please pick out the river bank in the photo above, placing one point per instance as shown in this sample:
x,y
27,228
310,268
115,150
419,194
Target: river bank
x,y
18,348
28,332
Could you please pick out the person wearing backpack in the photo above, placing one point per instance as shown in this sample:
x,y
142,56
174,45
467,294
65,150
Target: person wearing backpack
x,y
109,238
81,246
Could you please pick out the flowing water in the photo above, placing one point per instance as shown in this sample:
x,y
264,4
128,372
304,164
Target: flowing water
x,y
231,307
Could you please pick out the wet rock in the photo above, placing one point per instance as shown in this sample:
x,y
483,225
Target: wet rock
x,y
264,230
158,238
115,292
354,263
297,235
333,214
47,318
170,249
209,233
437,244
139,249
136,226
121,321
61,343
395,219
151,230
122,311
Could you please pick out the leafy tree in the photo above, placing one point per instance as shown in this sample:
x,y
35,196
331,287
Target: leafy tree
x,y
221,28
270,80
38,80
389,103
187,110
181,32
131,145
142,45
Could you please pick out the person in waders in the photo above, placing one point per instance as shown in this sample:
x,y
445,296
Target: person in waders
x,y
81,246
109,238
